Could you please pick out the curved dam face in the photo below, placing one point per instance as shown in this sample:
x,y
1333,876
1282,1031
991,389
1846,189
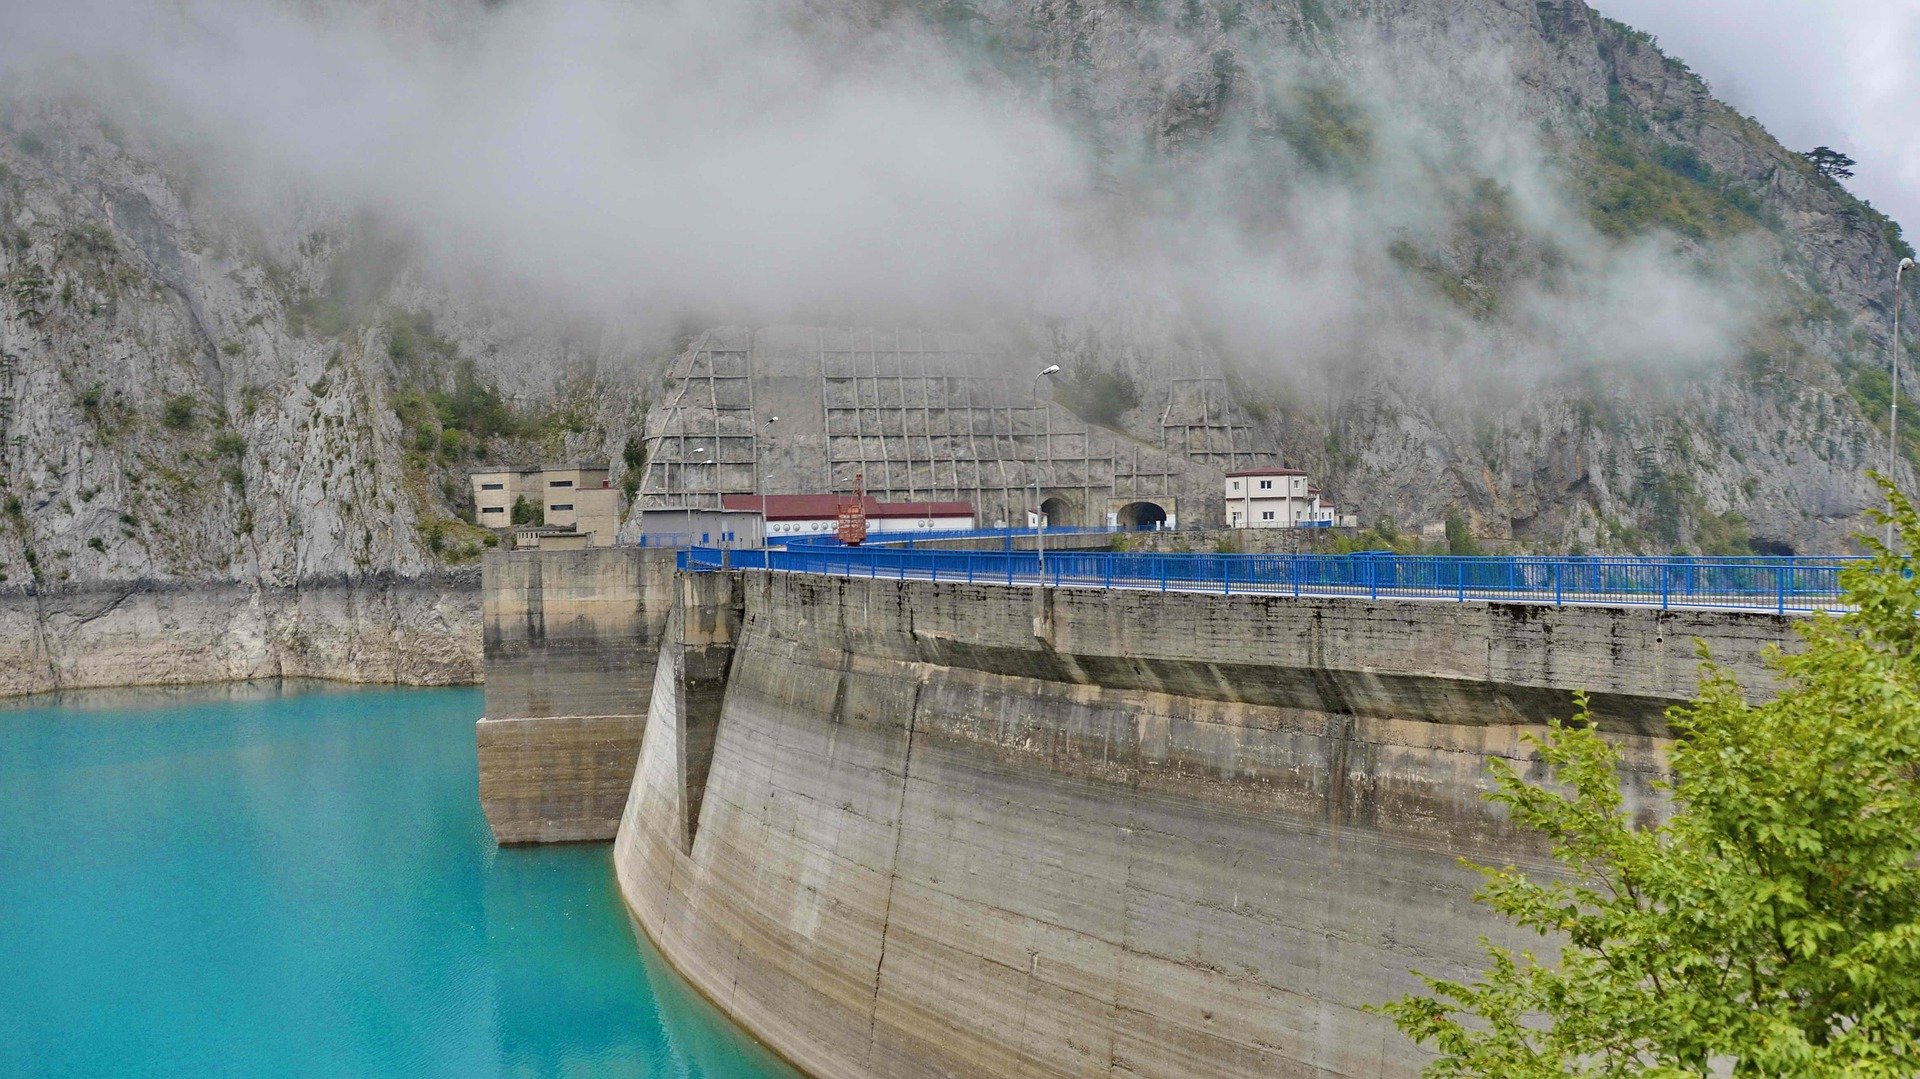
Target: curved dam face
x,y
899,828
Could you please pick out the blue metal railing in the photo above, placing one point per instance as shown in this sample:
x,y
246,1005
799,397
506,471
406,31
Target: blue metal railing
x,y
1779,584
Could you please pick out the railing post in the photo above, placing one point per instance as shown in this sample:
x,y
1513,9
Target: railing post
x,y
1555,565
1163,572
1780,586
1293,571
1109,562
1226,576
1460,578
1663,586
1373,578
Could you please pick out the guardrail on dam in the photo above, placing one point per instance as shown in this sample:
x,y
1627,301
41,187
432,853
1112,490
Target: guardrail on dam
x,y
916,828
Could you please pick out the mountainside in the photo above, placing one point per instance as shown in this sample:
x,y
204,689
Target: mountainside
x,y
1504,260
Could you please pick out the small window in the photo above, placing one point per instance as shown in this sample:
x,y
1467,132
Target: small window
x,y
561,483
1267,516
563,507
1236,485
493,487
494,509
1266,485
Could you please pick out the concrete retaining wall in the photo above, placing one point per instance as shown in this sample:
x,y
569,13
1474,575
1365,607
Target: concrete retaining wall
x,y
1173,835
571,642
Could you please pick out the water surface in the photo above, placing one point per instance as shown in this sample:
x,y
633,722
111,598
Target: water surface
x,y
294,879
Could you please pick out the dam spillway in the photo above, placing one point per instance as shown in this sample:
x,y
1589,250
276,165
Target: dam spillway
x,y
907,828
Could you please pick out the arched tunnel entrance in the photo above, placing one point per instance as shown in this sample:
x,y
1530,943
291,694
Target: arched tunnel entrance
x,y
1058,511
1141,516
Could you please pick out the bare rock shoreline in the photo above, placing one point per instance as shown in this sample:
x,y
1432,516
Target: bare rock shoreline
x,y
410,630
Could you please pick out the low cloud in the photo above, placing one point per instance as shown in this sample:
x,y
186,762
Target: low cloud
x,y
754,161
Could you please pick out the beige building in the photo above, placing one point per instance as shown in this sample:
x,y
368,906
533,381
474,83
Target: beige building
x,y
579,508
1279,498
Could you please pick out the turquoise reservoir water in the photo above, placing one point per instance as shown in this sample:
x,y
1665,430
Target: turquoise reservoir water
x,y
294,880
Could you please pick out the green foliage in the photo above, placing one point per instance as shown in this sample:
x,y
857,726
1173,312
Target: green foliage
x,y
1723,534
229,444
1638,182
528,512
1460,539
97,543
1871,388
1771,926
1830,163
30,143
178,413
634,456
1326,127
1097,395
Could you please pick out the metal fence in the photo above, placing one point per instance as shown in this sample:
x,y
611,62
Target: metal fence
x,y
1781,584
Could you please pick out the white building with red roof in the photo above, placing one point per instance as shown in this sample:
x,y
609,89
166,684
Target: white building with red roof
x,y
1279,498
788,516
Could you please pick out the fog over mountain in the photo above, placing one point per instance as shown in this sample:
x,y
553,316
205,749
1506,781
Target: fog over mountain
x,y
277,274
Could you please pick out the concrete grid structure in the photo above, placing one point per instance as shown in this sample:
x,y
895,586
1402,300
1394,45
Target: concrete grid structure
x,y
919,415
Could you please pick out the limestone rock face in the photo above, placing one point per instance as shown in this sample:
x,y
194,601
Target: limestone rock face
x,y
1405,238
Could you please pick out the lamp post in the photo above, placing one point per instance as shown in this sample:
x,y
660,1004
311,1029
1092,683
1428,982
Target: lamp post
x,y
1040,514
1893,408
759,479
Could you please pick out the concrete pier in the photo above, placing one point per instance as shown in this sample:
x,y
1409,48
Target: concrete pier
x,y
572,638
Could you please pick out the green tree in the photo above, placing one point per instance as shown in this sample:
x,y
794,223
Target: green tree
x,y
1460,539
528,512
1771,926
1830,163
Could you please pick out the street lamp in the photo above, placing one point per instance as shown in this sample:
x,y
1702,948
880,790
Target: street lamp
x,y
1039,513
1893,409
759,479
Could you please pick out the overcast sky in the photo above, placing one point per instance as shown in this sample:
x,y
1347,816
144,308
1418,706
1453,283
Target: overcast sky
x,y
1839,73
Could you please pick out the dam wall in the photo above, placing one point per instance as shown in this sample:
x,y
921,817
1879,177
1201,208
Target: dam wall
x,y
945,829
571,640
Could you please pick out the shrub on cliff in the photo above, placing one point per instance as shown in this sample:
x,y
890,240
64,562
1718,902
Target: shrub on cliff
x,y
1771,926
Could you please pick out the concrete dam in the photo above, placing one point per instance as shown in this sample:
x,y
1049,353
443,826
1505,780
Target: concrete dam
x,y
903,827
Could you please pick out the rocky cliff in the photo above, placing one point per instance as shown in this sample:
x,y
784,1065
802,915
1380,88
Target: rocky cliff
x,y
1501,260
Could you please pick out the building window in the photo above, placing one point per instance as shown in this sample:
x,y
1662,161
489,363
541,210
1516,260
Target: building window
x,y
494,509
1267,516
1266,485
561,483
493,487
1236,485
563,507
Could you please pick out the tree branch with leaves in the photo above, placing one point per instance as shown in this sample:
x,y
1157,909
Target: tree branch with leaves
x,y
1770,926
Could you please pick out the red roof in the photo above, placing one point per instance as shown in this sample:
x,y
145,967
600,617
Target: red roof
x,y
827,507
1268,472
